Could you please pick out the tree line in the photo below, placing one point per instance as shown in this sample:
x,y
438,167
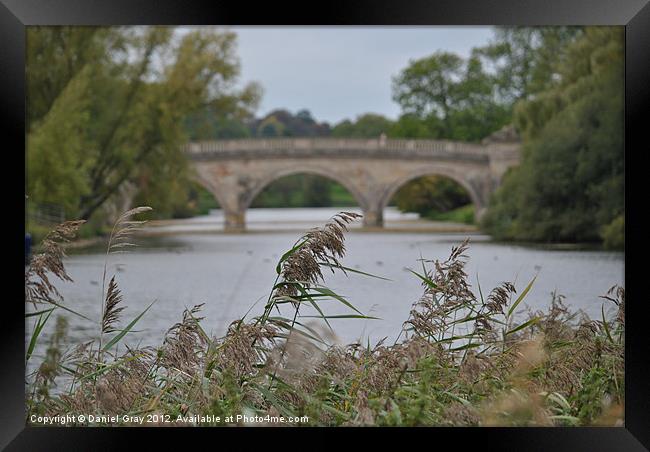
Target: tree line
x,y
570,185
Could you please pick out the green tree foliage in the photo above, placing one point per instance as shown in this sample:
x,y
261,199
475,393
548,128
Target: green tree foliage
x,y
212,124
562,86
570,184
614,233
304,190
411,126
444,96
524,59
106,110
299,190
281,123
431,195
271,127
368,125
454,98
56,160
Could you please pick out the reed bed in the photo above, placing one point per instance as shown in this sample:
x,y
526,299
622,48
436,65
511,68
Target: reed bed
x,y
461,359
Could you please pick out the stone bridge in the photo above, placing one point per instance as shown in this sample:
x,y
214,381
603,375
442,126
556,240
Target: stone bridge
x,y
372,170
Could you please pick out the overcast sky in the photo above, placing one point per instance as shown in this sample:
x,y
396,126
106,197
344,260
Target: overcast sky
x,y
338,73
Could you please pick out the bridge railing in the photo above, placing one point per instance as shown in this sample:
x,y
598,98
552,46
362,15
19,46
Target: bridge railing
x,y
290,145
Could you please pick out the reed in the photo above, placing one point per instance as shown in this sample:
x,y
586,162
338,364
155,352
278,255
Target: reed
x,y
461,358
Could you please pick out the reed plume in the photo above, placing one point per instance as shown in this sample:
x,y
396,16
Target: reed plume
x,y
318,247
122,231
38,287
553,369
111,309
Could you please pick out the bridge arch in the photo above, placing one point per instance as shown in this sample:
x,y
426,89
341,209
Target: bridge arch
x,y
208,183
450,173
273,176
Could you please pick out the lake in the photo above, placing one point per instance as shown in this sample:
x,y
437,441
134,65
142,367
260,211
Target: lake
x,y
187,262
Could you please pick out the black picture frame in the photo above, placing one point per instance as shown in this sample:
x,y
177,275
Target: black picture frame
x,y
15,15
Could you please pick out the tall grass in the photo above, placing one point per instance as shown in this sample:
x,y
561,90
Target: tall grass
x,y
461,358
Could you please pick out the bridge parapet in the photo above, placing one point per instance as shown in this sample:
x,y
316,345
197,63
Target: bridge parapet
x,y
332,146
372,170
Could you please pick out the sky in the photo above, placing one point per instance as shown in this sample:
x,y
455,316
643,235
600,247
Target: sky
x,y
340,72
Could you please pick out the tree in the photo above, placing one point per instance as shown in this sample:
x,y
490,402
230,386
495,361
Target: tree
x,y
317,191
430,195
282,123
56,55
271,127
455,98
524,60
430,86
368,125
56,158
303,190
107,107
570,185
410,125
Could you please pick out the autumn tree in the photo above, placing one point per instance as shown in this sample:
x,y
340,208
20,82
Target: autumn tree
x,y
106,111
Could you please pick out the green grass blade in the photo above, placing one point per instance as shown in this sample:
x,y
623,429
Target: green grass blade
x,y
331,293
322,315
122,333
343,316
352,270
40,323
285,323
531,322
32,314
465,347
71,311
426,280
605,325
521,296
455,338
316,335
480,292
104,367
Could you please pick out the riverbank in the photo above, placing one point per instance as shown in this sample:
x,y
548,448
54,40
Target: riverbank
x,y
267,220
295,220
